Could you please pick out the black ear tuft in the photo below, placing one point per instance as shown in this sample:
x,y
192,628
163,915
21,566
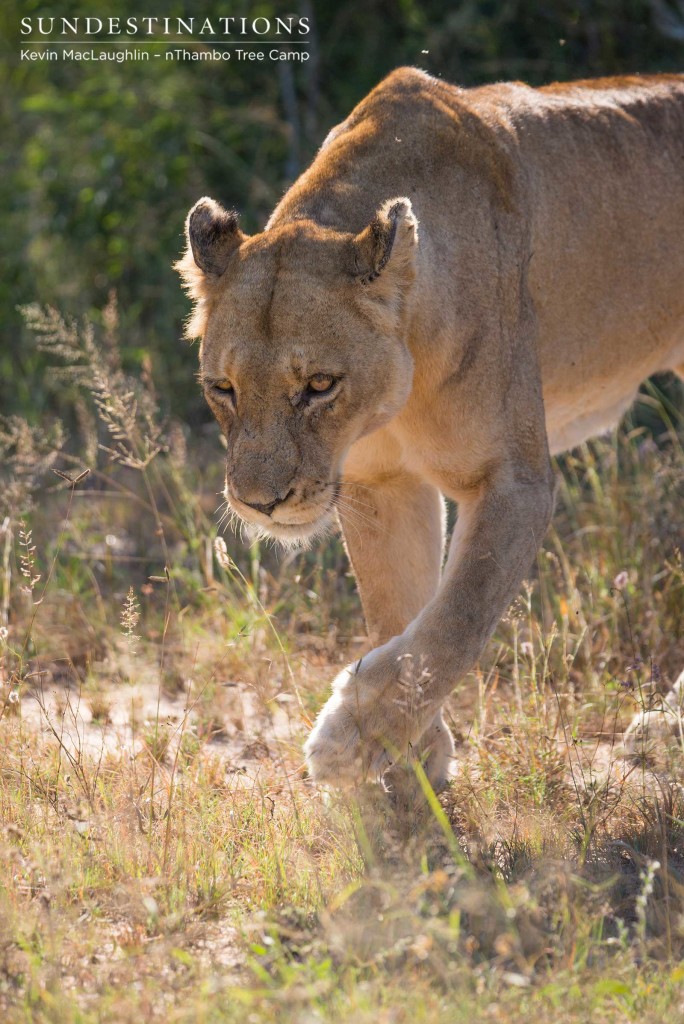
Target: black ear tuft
x,y
213,235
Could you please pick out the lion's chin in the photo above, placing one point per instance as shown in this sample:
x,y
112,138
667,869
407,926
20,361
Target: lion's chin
x,y
299,534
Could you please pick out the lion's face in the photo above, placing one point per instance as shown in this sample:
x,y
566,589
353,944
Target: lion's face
x,y
299,359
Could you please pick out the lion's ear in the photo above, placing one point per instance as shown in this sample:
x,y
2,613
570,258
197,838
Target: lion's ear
x,y
213,235
387,246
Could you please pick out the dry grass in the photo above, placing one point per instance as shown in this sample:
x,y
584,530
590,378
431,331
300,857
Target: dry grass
x,y
165,858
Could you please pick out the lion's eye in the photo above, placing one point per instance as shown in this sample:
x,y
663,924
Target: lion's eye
x,y
321,384
223,387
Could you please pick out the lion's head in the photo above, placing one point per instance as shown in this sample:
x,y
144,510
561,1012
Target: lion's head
x,y
303,351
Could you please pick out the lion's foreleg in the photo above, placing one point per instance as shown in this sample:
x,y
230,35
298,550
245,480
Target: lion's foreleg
x,y
394,530
382,706
494,544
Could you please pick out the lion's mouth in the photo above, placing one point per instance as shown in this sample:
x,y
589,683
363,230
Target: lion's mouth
x,y
302,532
301,523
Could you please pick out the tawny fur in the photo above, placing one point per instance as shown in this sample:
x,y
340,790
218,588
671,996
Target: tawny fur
x,y
488,274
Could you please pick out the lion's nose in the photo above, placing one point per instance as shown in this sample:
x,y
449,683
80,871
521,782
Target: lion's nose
x,y
266,508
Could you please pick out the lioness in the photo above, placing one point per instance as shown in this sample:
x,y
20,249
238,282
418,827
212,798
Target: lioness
x,y
463,281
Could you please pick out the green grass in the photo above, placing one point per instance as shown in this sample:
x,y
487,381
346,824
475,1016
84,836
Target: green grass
x,y
166,858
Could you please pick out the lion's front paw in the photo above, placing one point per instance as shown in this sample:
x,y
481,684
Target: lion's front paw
x,y
333,749
377,710
339,751
651,730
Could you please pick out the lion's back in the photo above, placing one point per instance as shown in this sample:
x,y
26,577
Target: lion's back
x,y
592,172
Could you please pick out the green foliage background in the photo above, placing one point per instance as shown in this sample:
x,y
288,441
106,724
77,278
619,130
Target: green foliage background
x,y
100,162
